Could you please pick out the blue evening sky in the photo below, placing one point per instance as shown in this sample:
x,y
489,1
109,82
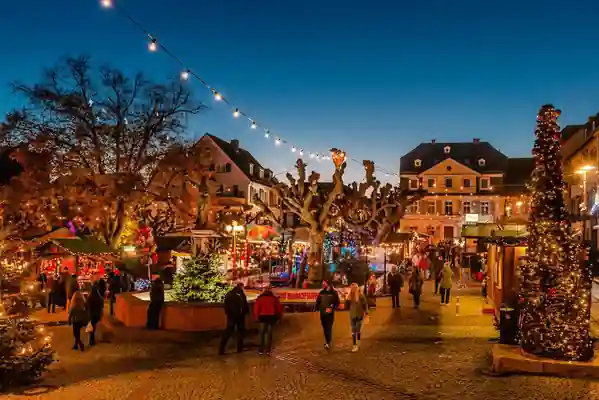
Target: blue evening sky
x,y
374,78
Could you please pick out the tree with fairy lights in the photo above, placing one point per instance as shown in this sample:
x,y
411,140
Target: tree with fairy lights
x,y
555,290
97,145
25,352
201,280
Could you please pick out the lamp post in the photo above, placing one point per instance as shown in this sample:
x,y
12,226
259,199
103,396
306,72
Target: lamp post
x,y
584,171
234,229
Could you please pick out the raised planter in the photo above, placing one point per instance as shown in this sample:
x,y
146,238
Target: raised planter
x,y
131,311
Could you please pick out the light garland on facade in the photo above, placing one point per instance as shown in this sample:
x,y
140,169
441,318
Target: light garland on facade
x,y
154,45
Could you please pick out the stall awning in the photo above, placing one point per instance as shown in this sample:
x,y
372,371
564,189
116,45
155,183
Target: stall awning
x,y
86,245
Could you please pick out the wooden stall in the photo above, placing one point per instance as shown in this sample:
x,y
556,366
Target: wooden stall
x,y
504,256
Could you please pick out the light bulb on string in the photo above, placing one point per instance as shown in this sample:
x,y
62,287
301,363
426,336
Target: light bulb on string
x,y
185,75
301,152
106,3
153,46
254,125
277,141
293,149
311,155
266,133
217,95
236,113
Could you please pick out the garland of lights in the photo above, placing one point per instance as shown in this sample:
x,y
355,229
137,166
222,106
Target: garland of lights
x,y
555,291
187,73
343,239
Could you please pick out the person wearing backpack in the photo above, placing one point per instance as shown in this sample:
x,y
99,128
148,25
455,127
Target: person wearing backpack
x,y
326,303
415,284
78,318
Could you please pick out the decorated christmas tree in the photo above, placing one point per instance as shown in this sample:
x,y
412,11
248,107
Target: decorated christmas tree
x,y
555,292
25,352
201,280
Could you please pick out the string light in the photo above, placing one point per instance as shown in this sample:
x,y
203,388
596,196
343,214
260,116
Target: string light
x,y
153,47
293,149
301,152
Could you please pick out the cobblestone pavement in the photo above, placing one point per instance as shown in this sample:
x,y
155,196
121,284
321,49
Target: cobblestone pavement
x,y
430,353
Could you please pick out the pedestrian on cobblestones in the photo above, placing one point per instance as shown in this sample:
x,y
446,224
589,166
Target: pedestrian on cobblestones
x,y
95,305
396,282
78,318
156,304
326,303
446,283
267,311
415,285
357,305
51,288
236,309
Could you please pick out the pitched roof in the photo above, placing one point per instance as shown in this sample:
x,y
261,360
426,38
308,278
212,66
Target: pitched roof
x,y
242,158
467,153
569,131
517,175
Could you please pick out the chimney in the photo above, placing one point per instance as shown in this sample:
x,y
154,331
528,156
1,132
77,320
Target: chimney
x,y
235,144
476,140
434,141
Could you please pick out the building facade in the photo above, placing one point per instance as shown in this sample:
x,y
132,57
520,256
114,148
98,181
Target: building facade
x,y
466,184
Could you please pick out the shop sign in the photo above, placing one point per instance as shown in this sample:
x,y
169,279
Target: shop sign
x,y
471,218
303,295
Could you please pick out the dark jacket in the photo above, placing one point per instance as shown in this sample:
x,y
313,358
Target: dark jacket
x,y
236,304
102,287
157,292
95,305
114,285
71,286
267,305
395,282
327,301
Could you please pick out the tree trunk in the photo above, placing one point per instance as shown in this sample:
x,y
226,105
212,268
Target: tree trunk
x,y
315,255
382,232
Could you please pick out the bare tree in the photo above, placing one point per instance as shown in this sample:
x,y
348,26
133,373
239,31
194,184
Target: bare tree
x,y
95,145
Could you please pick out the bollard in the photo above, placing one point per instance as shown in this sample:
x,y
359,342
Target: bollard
x,y
457,305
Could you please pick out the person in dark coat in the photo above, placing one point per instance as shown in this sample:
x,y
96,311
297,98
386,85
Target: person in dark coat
x,y
114,287
395,281
236,309
51,293
326,303
267,311
72,286
156,303
95,307
102,287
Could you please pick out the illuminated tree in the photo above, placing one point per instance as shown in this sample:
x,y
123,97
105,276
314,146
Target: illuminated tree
x,y
555,282
97,145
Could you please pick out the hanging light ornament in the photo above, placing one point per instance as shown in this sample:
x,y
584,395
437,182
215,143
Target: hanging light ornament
x,y
254,125
236,113
153,45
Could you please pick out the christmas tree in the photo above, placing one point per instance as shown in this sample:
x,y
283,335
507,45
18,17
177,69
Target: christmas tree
x,y
555,289
201,280
25,352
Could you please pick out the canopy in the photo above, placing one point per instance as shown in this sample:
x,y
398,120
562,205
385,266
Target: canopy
x,y
262,233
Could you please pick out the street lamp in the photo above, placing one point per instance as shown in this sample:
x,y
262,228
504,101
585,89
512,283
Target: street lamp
x,y
234,229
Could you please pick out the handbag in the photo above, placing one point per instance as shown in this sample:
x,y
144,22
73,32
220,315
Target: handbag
x,y
89,328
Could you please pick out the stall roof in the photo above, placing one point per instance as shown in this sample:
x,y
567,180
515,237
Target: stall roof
x,y
86,245
398,237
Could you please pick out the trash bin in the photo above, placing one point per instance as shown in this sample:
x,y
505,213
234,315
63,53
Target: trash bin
x,y
508,325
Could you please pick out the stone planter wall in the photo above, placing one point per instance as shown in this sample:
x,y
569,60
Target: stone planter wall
x,y
187,317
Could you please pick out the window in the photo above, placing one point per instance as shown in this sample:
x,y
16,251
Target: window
x,y
484,183
467,207
418,163
466,183
484,207
228,167
431,182
262,195
448,207
447,149
431,209
251,169
261,173
448,182
481,162
414,184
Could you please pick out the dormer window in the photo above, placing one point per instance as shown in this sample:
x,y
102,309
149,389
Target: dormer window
x,y
418,163
447,149
481,162
261,173
251,169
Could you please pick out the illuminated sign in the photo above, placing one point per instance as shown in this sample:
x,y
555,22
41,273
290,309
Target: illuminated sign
x,y
471,218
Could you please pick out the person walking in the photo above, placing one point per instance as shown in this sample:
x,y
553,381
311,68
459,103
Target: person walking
x,y
78,318
95,306
51,293
371,291
438,271
71,286
156,303
446,283
395,281
357,305
267,311
236,308
415,283
114,287
326,303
